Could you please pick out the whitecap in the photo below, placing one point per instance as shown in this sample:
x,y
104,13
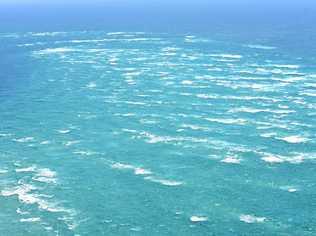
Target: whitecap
x,y
26,169
164,181
70,143
33,219
136,229
258,46
151,138
121,166
141,171
246,110
232,56
198,218
129,130
186,82
91,85
24,140
63,131
146,121
190,36
207,96
268,135
294,139
137,170
84,153
228,121
251,219
286,66
40,34
310,94
45,172
3,171
45,142
54,50
255,110
290,189
25,195
19,211
194,127
272,159
231,160
116,33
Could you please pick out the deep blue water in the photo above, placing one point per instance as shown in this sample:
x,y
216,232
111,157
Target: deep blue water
x,y
163,129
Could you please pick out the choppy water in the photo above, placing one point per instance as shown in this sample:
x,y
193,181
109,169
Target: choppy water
x,y
155,134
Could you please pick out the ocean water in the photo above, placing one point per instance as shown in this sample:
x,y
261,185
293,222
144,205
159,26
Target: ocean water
x,y
139,133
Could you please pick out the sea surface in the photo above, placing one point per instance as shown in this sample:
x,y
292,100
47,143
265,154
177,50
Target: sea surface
x,y
140,133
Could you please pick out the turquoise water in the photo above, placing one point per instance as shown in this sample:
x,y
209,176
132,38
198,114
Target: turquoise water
x,y
132,133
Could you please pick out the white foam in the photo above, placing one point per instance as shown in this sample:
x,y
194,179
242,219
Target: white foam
x,y
207,96
54,50
310,94
232,56
141,171
121,166
20,212
45,175
231,160
272,159
91,85
33,219
190,36
290,189
45,172
137,170
27,194
198,218
70,143
163,181
129,130
228,121
286,66
255,110
194,127
26,169
297,159
250,219
258,46
63,131
186,82
22,192
3,171
146,121
294,139
157,139
170,49
135,103
24,140
268,135
246,110
45,142
85,153
41,34
136,229
116,33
